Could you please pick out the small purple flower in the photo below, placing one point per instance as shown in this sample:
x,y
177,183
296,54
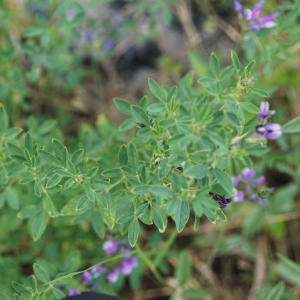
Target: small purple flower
x,y
60,287
258,181
73,292
252,197
111,246
239,196
247,174
86,277
127,265
265,22
238,7
109,44
271,131
264,112
260,201
89,37
222,200
125,249
98,270
235,182
113,275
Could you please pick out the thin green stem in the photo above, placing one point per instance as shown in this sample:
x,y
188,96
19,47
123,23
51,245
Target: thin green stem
x,y
115,184
161,254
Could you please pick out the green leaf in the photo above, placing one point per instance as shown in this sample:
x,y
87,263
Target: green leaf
x,y
182,214
32,31
164,168
98,223
133,232
38,189
40,273
29,144
18,170
133,156
58,147
69,183
207,81
51,209
157,219
12,198
63,173
288,269
123,158
292,126
156,90
197,293
83,202
198,171
140,115
128,124
101,201
28,212
276,292
128,171
214,65
12,133
225,181
14,149
53,181
125,217
227,72
142,189
253,222
235,61
18,158
49,158
123,105
260,93
112,173
58,294
109,214
3,118
249,107
161,191
183,269
141,210
39,226
251,65
100,184
156,107
20,288
77,157
233,119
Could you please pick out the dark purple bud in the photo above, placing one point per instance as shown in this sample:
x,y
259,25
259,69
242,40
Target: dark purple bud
x,y
271,131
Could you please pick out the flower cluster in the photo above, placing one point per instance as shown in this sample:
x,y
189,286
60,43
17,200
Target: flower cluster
x,y
125,267
271,131
248,187
253,15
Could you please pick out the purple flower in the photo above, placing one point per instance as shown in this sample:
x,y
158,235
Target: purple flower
x,y
238,7
235,182
111,246
127,265
125,249
247,174
239,196
98,270
258,181
73,292
86,277
60,287
113,275
264,112
252,197
89,37
222,200
260,201
271,131
265,22
109,44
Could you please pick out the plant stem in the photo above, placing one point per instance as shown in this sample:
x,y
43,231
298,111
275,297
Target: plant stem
x,y
160,255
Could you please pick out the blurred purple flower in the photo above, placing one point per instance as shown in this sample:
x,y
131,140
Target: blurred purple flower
x,y
258,181
89,37
73,292
271,131
239,196
238,7
235,182
127,265
113,275
109,44
60,287
222,200
111,246
98,270
252,197
86,277
264,112
260,201
247,174
253,15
